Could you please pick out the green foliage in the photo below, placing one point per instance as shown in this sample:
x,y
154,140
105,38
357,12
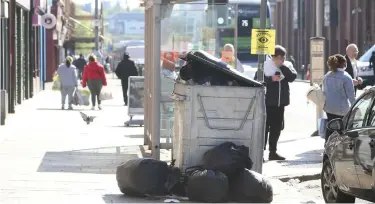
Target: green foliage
x,y
84,32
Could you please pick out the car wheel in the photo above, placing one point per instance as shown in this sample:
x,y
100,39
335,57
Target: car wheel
x,y
330,190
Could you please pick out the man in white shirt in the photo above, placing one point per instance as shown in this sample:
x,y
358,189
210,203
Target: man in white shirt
x,y
351,61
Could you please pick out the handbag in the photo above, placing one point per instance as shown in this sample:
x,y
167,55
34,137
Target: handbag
x,y
316,94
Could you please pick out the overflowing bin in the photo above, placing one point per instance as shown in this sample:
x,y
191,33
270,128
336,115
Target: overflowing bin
x,y
213,103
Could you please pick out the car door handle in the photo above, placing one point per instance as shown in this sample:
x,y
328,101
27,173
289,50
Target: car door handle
x,y
372,143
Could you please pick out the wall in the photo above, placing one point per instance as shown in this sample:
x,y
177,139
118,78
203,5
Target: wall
x,y
343,25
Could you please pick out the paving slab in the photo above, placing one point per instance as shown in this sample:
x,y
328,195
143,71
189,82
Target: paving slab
x,y
51,155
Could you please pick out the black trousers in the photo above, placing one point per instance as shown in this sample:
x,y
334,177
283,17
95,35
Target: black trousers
x,y
124,84
329,118
274,125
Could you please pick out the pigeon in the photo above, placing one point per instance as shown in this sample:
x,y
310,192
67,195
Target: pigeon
x,y
86,118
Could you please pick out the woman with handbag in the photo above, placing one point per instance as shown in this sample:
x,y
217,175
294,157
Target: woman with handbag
x,y
94,77
338,90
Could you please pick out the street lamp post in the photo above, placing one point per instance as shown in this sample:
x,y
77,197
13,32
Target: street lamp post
x,y
96,24
261,58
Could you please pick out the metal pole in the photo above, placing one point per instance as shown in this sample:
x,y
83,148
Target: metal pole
x,y
319,33
261,58
319,18
156,85
96,24
236,35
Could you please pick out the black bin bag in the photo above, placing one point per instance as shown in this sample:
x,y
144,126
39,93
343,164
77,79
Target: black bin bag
x,y
250,187
227,158
207,186
146,176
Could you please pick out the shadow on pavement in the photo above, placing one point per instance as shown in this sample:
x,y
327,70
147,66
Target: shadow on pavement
x,y
59,109
95,161
309,159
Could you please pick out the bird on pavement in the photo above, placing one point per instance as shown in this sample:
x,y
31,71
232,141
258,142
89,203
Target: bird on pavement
x,y
86,118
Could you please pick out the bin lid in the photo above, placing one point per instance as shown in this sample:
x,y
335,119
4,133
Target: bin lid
x,y
217,65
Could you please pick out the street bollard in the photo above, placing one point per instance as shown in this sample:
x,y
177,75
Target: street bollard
x,y
3,106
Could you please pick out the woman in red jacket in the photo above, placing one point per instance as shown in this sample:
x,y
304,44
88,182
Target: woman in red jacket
x,y
94,77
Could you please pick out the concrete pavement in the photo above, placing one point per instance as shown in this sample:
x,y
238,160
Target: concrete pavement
x,y
50,155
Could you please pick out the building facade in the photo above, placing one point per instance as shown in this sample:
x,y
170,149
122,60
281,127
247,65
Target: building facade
x,y
345,22
128,23
56,37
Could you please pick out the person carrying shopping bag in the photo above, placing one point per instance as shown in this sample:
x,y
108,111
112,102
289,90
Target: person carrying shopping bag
x,y
68,78
94,77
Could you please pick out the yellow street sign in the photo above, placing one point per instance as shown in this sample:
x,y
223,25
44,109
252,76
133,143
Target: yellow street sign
x,y
263,41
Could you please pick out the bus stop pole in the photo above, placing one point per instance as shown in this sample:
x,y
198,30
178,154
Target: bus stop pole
x,y
261,58
319,33
155,149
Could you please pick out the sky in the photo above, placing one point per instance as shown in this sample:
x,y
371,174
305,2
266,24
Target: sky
x,y
131,3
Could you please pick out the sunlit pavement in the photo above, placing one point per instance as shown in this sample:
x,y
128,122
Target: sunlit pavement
x,y
49,155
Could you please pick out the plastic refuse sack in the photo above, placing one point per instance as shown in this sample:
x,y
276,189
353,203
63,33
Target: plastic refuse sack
x,y
146,176
204,68
227,158
105,94
56,86
207,186
250,187
82,97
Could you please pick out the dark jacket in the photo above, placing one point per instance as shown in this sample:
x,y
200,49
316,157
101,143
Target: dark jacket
x,y
349,67
372,62
125,69
277,93
80,63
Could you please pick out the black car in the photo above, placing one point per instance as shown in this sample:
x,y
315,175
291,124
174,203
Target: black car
x,y
348,162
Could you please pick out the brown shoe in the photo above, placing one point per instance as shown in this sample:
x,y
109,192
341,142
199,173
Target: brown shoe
x,y
275,156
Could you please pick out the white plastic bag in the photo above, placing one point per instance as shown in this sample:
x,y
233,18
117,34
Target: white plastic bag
x,y
105,94
82,97
56,83
322,126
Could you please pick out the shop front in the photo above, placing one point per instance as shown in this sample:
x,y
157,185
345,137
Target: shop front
x,y
38,47
19,51
55,38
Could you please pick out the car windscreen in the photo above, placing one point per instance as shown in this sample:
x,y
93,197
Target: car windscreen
x,y
366,57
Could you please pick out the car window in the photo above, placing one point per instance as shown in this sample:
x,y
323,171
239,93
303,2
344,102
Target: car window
x,y
358,115
366,56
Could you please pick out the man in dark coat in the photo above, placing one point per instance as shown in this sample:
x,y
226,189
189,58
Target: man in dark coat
x,y
124,70
80,64
372,61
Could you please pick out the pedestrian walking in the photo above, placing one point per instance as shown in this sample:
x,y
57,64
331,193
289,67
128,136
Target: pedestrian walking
x,y
94,77
68,78
338,90
351,67
80,63
277,77
124,70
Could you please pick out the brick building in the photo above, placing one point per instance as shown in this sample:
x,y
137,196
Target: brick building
x,y
345,21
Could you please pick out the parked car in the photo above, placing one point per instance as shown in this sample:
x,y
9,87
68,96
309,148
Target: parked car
x,y
348,161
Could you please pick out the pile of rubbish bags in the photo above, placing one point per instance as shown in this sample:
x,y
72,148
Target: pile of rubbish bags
x,y
202,68
224,176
